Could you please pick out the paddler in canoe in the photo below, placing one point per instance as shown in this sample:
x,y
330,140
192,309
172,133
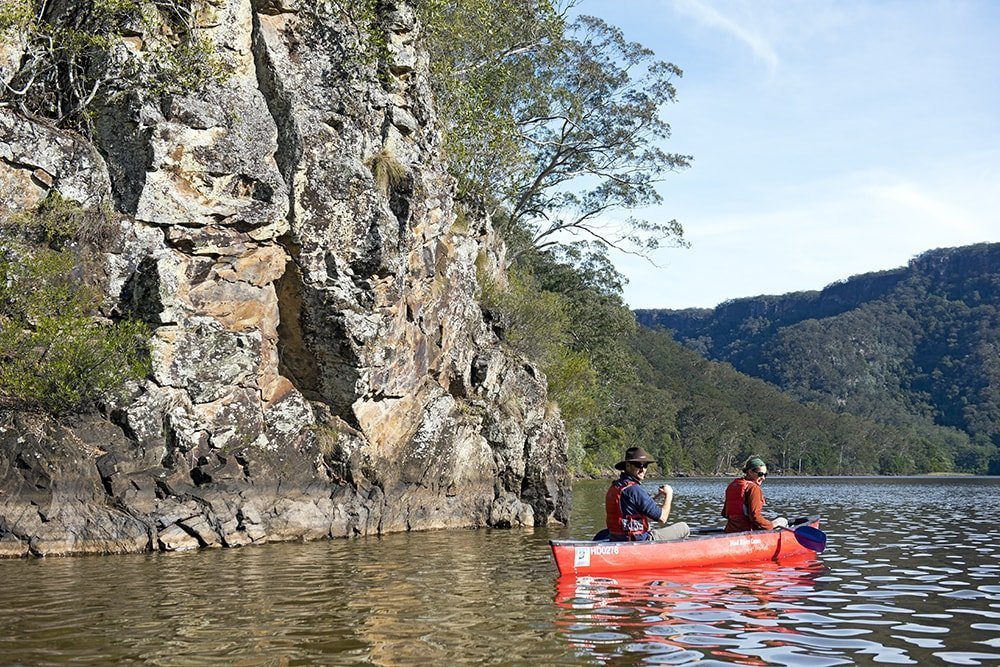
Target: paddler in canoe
x,y
744,500
630,508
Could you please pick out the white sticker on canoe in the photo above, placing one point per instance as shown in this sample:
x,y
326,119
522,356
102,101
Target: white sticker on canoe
x,y
582,554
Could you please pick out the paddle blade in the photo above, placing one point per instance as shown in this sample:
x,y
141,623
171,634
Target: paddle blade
x,y
811,538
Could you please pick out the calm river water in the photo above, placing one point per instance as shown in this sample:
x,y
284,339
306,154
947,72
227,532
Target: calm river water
x,y
891,588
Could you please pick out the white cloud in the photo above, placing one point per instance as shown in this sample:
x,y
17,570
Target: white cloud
x,y
910,199
711,17
874,139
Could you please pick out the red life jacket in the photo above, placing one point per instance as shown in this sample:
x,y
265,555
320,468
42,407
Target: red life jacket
x,y
735,506
623,527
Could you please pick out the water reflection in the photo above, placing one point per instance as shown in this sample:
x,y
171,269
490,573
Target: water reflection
x,y
889,589
408,599
739,616
897,587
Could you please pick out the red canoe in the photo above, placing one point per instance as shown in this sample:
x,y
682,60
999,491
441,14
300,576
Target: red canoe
x,y
707,547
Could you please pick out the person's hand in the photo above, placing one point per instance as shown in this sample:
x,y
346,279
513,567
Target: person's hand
x,y
665,492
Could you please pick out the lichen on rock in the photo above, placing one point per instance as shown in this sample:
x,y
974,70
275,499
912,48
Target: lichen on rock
x,y
321,367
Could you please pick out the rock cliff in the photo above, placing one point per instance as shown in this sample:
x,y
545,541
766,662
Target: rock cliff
x,y
321,367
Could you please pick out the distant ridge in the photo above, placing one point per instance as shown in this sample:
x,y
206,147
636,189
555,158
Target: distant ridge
x,y
920,343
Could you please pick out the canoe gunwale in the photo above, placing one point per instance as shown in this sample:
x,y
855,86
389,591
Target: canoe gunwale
x,y
714,535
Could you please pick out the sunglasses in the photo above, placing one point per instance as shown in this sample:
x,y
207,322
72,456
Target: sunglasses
x,y
759,473
640,466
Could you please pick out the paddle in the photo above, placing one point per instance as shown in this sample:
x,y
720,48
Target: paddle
x,y
811,538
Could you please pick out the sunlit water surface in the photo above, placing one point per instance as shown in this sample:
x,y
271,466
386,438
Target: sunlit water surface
x,y
910,576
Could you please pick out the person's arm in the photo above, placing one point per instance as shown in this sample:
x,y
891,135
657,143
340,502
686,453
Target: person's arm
x,y
667,494
755,509
637,499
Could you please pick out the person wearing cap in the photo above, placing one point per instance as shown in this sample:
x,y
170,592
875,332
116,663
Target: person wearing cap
x,y
744,502
630,508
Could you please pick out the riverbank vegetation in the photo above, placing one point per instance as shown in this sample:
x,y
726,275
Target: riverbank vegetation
x,y
554,128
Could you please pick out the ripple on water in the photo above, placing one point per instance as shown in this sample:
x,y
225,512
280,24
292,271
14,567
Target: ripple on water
x,y
967,657
884,592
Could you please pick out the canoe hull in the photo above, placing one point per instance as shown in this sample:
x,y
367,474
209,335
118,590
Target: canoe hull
x,y
585,557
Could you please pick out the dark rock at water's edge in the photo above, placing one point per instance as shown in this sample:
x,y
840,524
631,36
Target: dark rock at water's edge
x,y
321,367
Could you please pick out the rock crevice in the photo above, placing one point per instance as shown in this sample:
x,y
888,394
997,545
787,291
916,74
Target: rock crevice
x,y
321,366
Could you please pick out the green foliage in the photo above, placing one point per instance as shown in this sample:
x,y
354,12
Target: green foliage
x,y
56,353
692,414
572,383
603,446
551,126
479,70
55,221
724,416
534,321
696,415
556,123
76,55
536,325
912,349
564,311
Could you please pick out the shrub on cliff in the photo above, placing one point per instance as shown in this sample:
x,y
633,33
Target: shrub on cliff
x,y
75,55
535,323
57,353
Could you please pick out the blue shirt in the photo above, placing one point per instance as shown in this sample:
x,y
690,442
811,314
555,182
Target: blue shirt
x,y
636,500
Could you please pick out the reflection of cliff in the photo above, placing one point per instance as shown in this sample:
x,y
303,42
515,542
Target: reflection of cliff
x,y
315,333
685,615
454,597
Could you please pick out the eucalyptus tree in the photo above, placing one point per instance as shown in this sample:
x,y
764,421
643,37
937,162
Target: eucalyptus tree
x,y
553,125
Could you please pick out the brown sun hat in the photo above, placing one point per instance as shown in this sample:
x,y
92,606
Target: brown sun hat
x,y
635,455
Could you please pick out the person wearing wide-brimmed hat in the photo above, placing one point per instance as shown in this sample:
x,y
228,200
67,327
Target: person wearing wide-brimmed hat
x,y
744,502
630,508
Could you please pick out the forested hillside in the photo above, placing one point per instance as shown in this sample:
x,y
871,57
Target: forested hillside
x,y
545,179
721,414
915,348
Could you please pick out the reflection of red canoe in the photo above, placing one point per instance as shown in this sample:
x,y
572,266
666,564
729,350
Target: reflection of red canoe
x,y
586,557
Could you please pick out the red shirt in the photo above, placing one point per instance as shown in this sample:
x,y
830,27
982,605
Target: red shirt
x,y
743,506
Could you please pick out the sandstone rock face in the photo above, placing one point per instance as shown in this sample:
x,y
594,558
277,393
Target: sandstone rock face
x,y
321,367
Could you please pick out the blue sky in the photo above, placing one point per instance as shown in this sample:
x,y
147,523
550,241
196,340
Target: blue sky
x,y
830,139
